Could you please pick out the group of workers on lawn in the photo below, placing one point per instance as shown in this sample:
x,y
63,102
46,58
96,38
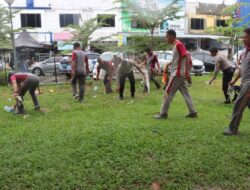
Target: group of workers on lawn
x,y
178,78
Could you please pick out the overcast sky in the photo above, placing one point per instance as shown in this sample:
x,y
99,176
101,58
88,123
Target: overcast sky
x,y
209,1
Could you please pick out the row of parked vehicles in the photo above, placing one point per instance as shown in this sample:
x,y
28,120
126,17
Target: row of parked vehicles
x,y
62,64
202,62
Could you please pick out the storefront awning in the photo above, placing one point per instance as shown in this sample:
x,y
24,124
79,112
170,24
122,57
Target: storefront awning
x,y
62,36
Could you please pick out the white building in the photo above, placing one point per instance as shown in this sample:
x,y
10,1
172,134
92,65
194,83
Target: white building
x,y
46,20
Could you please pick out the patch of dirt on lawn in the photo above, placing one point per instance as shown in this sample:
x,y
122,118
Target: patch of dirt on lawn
x,y
155,186
207,188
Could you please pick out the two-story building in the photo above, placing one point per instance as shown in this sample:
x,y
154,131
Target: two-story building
x,y
199,18
47,20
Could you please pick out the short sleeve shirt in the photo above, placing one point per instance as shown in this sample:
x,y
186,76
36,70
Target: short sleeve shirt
x,y
152,61
221,62
245,67
80,58
20,77
179,59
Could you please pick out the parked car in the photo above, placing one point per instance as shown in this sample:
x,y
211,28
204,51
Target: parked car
x,y
240,52
108,56
65,66
2,65
92,61
165,57
206,58
198,68
45,67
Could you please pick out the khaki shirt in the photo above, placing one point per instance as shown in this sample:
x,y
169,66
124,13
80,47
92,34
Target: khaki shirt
x,y
221,63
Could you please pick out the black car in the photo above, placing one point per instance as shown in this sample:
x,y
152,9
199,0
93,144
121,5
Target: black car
x,y
206,58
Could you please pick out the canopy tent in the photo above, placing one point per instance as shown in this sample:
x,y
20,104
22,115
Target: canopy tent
x,y
25,45
24,40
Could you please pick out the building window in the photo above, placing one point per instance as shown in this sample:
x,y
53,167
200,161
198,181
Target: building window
x,y
31,20
136,24
69,19
106,20
197,24
221,23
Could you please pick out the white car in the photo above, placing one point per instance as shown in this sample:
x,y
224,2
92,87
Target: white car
x,y
240,52
165,57
106,56
2,65
92,61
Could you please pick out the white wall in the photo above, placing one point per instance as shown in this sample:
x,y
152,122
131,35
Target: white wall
x,y
50,17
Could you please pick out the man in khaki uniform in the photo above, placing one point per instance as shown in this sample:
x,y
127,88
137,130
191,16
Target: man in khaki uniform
x,y
178,77
224,65
125,70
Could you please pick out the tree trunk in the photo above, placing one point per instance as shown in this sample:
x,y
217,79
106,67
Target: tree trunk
x,y
152,39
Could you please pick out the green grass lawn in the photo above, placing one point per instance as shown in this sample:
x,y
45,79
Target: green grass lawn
x,y
112,145
2,77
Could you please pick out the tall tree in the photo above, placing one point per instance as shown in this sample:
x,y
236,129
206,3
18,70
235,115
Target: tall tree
x,y
149,13
4,28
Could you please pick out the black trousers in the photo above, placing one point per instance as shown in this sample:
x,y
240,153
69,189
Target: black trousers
x,y
107,83
122,80
30,84
227,77
80,78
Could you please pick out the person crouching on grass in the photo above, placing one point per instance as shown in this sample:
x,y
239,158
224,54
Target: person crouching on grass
x,y
109,68
21,83
125,70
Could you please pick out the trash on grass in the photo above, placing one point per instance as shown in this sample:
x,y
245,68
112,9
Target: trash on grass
x,y
26,116
9,109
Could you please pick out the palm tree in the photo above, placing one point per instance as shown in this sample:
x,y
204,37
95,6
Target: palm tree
x,y
82,33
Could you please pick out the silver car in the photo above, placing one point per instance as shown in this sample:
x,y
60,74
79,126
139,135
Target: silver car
x,y
46,67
